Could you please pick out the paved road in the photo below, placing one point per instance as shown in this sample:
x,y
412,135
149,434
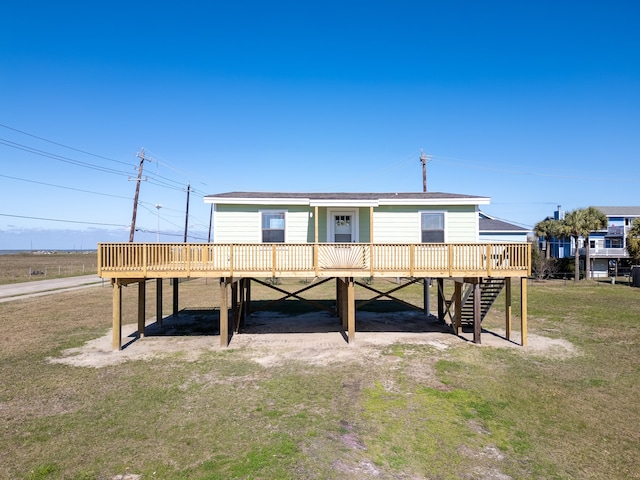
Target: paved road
x,y
16,291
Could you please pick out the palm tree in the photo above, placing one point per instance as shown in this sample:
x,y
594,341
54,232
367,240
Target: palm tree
x,y
546,229
575,224
633,241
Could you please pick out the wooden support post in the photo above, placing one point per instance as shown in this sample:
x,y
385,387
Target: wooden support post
x,y
441,299
159,301
235,314
507,308
477,312
351,310
344,304
457,298
523,311
116,342
247,297
142,299
175,296
316,221
426,291
338,299
224,313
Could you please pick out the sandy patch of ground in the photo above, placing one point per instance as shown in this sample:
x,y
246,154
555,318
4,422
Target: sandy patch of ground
x,y
271,339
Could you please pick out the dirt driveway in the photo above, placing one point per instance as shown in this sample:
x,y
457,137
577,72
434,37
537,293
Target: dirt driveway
x,y
17,291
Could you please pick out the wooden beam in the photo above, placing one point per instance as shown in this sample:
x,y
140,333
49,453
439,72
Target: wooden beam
x,y
370,224
388,294
316,235
441,300
247,296
344,305
507,307
116,340
159,301
477,313
176,282
351,310
338,299
242,316
457,298
142,300
224,313
235,314
426,299
523,311
295,295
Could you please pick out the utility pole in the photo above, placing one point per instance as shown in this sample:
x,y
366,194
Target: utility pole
x,y
135,198
186,218
424,159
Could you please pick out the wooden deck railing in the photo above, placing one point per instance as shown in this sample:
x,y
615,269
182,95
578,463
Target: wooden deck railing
x,y
158,260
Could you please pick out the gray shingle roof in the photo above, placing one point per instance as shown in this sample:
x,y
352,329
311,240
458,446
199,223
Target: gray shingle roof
x,y
493,225
344,195
620,211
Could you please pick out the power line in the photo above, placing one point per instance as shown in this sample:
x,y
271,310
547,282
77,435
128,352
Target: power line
x,y
60,158
169,234
64,187
64,146
64,221
141,203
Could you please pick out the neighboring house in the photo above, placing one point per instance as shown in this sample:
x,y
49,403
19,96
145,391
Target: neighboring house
x,y
255,217
560,247
494,230
608,247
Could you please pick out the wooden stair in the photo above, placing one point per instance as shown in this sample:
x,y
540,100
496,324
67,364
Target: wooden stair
x,y
490,288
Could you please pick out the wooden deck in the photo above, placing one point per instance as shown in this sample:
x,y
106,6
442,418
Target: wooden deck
x,y
236,264
437,260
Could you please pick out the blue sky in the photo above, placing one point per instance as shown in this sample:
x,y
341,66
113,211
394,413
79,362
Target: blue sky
x,y
534,104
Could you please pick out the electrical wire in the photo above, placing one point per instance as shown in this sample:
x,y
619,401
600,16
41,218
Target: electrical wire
x,y
64,146
64,221
60,158
65,188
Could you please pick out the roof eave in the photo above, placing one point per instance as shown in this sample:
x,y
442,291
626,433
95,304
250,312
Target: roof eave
x,y
436,201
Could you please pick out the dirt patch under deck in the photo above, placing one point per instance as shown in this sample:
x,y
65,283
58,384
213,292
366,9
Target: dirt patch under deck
x,y
272,338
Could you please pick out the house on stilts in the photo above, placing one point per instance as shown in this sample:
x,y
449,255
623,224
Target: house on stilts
x,y
343,236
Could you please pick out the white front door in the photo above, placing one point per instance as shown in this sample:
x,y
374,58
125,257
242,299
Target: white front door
x,y
343,227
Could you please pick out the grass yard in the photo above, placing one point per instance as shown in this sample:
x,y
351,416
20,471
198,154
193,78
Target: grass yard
x,y
403,411
26,266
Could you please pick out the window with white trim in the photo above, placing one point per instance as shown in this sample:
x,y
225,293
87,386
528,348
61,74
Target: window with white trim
x,y
273,223
432,227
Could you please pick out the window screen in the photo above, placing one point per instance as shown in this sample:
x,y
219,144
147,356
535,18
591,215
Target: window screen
x,y
272,227
432,226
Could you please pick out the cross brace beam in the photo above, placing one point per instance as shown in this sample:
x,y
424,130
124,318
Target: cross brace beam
x,y
294,295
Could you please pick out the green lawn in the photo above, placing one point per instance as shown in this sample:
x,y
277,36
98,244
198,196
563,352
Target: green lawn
x,y
406,412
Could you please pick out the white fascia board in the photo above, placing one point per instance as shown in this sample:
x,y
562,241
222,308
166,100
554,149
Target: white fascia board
x,y
257,201
343,203
436,201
